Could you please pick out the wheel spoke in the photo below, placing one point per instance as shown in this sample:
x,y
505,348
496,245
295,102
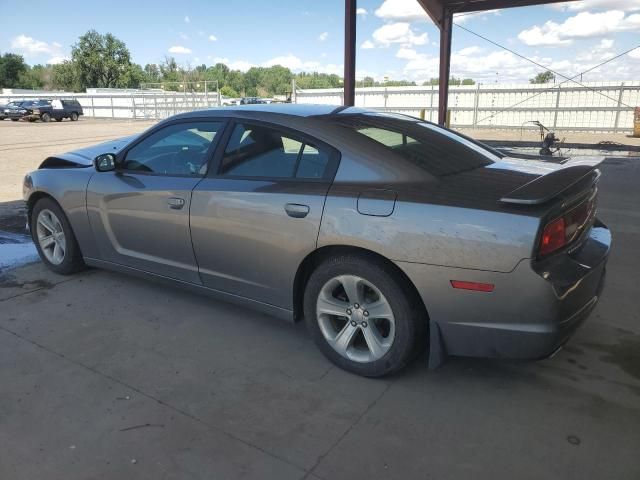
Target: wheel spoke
x,y
46,242
331,306
344,338
379,309
352,287
374,342
46,222
57,253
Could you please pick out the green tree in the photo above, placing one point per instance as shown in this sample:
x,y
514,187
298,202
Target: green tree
x,y
35,78
64,77
101,61
543,77
11,67
227,91
276,80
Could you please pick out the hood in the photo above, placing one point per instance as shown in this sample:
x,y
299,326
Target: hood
x,y
84,156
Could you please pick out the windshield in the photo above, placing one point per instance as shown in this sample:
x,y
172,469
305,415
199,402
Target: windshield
x,y
437,150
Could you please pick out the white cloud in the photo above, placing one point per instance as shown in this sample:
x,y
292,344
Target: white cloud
x,y
187,19
582,25
241,65
635,54
399,32
401,10
626,5
361,11
213,38
180,50
323,36
57,60
296,64
30,46
367,44
460,18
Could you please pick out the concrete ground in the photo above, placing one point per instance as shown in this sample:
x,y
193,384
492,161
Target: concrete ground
x,y
104,376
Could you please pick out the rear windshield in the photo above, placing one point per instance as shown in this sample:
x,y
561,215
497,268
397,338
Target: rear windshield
x,y
437,150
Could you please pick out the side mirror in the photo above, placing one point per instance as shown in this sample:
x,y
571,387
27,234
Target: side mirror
x,y
105,162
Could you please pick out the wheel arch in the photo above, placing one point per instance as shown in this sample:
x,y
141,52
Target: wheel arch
x,y
310,262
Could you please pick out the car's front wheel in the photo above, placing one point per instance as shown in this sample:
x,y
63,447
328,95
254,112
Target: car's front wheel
x,y
45,117
54,238
360,316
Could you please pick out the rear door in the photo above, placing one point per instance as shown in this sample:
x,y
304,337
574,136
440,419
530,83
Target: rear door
x,y
140,213
255,219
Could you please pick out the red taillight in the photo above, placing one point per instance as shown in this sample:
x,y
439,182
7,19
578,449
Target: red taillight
x,y
553,237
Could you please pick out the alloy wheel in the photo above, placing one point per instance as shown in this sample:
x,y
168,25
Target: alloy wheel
x,y
51,237
355,318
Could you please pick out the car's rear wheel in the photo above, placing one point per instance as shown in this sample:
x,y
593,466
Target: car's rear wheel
x,y
45,117
54,238
360,317
74,116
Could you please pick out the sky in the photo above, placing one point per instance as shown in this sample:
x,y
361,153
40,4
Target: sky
x,y
396,39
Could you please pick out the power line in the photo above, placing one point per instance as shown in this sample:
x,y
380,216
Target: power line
x,y
543,66
568,79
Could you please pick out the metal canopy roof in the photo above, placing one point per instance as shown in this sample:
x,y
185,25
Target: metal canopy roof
x,y
441,12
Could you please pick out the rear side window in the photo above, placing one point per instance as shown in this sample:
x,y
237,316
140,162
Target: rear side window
x,y
433,149
259,151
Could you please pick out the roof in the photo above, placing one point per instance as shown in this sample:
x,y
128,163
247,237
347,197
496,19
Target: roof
x,y
293,109
435,8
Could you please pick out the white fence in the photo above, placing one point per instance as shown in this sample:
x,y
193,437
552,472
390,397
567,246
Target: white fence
x,y
134,104
596,106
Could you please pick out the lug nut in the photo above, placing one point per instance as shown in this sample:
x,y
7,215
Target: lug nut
x,y
354,323
364,324
356,306
366,313
349,312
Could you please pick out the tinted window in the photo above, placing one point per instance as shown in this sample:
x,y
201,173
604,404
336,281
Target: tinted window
x,y
265,152
180,149
434,149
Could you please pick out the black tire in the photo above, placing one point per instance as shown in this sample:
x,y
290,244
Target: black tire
x,y
58,119
72,261
410,320
45,117
74,117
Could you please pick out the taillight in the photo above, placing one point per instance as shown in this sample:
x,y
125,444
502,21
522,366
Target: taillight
x,y
553,237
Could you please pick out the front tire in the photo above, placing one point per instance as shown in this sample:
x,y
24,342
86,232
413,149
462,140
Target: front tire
x,y
45,117
54,238
360,316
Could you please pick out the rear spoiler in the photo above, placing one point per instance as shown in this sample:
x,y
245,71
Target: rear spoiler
x,y
546,187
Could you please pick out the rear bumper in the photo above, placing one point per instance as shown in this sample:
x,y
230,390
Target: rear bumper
x,y
531,313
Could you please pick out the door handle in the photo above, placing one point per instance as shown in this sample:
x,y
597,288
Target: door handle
x,y
175,203
296,210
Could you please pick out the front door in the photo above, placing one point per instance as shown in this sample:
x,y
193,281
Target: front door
x,y
256,218
139,213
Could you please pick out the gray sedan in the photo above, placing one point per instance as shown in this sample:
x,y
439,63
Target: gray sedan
x,y
386,234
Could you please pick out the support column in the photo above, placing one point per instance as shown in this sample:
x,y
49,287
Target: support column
x,y
446,27
349,52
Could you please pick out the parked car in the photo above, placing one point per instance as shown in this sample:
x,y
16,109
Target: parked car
x,y
2,109
251,101
20,109
55,109
384,232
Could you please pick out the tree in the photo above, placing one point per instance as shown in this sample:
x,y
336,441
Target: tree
x,y
35,78
543,77
64,77
101,61
11,67
227,91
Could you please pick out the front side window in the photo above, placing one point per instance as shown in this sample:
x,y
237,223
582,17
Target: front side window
x,y
265,152
179,149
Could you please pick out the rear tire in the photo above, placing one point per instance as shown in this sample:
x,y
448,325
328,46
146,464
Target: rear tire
x,y
74,117
45,117
375,333
54,238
